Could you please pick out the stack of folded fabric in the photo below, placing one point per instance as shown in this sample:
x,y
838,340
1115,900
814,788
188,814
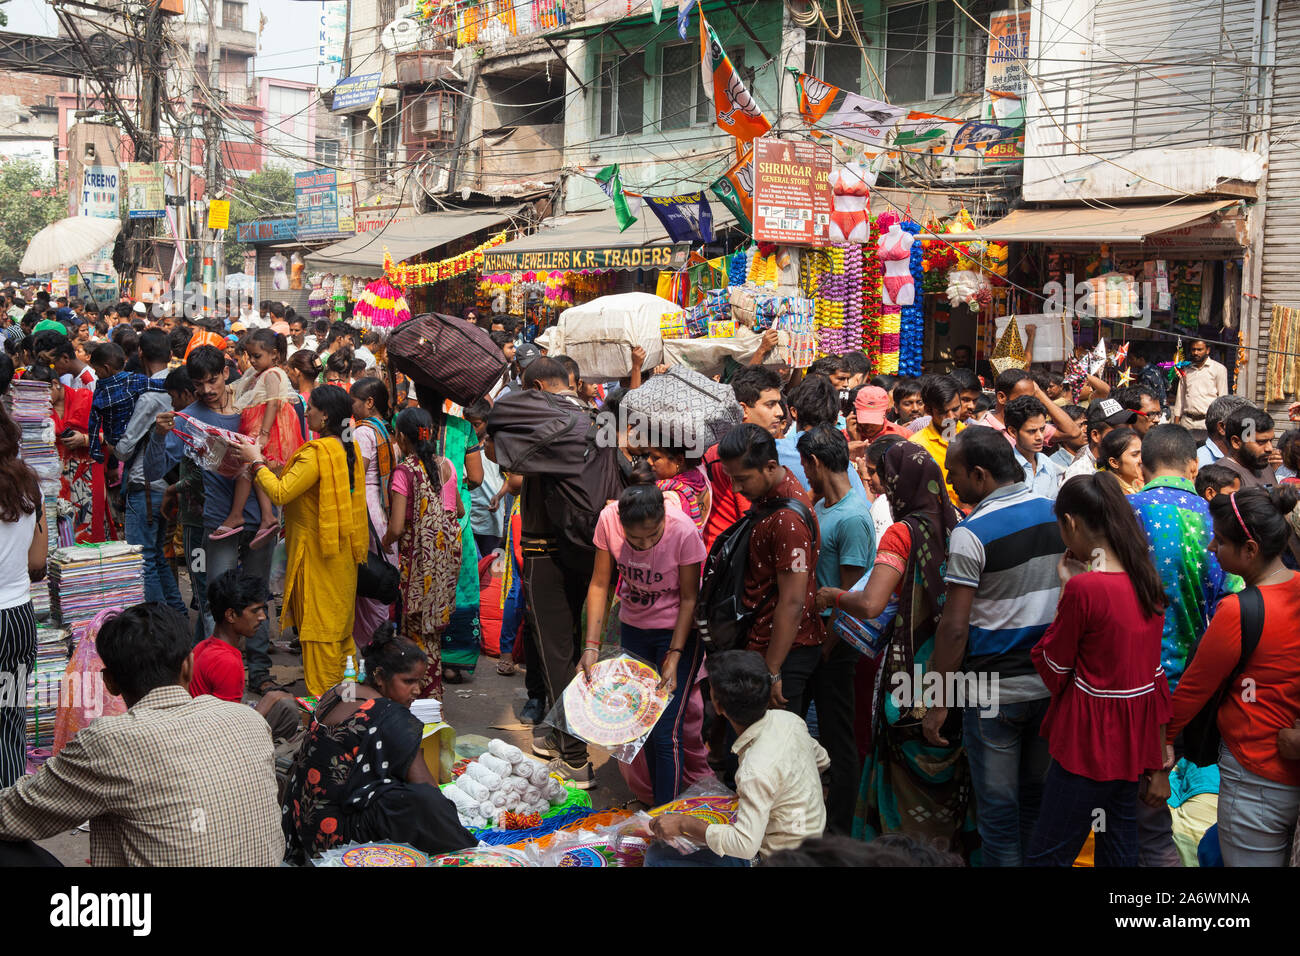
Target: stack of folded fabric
x,y
88,578
43,685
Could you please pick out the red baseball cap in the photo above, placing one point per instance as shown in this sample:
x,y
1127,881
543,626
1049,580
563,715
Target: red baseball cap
x,y
871,404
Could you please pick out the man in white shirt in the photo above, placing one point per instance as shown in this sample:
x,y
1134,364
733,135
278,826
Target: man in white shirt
x,y
1102,417
778,786
1026,419
298,337
1202,382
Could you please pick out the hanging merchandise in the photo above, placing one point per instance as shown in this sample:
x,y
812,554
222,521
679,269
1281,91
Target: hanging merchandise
x,y
279,277
911,326
738,266
381,306
735,109
850,216
318,302
1009,351
830,300
872,283
425,273
1113,295
296,268
894,249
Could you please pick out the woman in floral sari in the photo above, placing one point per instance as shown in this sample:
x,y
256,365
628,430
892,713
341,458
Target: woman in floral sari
x,y
908,785
359,775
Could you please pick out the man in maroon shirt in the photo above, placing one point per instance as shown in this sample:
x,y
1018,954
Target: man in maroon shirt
x,y
779,580
758,389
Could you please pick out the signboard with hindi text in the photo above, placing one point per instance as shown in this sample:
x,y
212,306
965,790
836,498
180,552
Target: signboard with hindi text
x,y
219,214
792,195
1006,84
624,258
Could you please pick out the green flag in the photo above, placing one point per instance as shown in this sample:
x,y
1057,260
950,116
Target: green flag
x,y
658,7
612,186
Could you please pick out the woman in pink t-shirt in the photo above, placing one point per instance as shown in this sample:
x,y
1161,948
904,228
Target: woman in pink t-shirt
x,y
656,553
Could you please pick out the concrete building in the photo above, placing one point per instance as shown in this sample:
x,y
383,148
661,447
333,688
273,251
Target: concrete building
x,y
29,118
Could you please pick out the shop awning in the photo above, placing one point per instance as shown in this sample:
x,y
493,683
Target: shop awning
x,y
404,240
1118,224
592,240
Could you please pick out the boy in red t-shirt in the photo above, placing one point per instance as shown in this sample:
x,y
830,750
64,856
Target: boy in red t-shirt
x,y
238,603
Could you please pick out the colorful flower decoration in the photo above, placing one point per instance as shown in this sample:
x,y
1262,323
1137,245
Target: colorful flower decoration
x,y
911,326
382,305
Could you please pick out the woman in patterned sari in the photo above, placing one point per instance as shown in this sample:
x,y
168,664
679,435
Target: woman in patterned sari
x,y
908,785
456,441
359,775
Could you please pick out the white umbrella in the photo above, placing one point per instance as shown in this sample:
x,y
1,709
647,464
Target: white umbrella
x,y
66,242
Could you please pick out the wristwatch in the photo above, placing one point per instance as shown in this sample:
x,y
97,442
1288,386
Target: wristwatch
x,y
773,678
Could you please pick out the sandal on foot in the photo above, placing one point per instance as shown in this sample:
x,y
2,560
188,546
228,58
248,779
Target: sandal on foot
x,y
507,668
261,536
225,531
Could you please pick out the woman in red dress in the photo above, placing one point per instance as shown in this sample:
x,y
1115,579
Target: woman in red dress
x,y
83,479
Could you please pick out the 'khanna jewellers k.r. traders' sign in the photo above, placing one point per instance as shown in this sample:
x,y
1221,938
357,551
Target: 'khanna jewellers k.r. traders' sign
x,y
640,257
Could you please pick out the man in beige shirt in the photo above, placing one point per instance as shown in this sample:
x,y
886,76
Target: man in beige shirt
x,y
1202,382
175,781
779,796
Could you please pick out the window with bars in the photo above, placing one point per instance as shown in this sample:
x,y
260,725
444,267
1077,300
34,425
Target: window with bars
x,y
232,15
921,50
838,62
327,152
621,95
387,12
682,102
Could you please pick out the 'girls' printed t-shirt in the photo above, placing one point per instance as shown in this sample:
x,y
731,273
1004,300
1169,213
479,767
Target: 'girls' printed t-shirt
x,y
648,580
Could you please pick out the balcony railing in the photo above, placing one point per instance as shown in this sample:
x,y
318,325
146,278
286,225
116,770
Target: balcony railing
x,y
492,21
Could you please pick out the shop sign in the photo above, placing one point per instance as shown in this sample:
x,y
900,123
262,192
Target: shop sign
x,y
566,260
370,218
1006,84
324,203
792,196
267,230
356,91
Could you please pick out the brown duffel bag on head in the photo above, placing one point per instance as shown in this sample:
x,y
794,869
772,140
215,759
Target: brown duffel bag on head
x,y
448,354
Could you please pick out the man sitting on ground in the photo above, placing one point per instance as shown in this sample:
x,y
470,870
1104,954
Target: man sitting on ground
x,y
175,781
778,786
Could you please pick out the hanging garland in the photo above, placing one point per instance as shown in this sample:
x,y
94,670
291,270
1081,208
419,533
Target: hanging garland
x,y
426,273
912,328
871,286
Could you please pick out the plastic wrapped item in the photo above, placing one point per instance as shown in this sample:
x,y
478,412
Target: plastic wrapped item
x,y
599,335
212,448
355,855
684,407
867,637
296,268
482,855
616,709
77,711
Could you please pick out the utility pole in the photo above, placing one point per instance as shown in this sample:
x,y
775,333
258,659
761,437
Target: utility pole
x,y
149,58
212,142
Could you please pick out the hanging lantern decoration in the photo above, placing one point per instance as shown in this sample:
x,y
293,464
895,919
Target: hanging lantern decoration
x,y
381,304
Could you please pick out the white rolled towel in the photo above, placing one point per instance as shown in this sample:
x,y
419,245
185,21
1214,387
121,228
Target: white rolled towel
x,y
502,768
556,792
476,790
488,809
459,797
483,775
515,783
541,806
532,771
507,752
532,795
499,798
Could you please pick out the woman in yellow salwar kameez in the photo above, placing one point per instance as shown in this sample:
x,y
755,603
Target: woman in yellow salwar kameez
x,y
323,493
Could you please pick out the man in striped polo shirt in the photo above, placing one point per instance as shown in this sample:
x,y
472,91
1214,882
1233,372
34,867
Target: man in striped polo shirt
x,y
1002,594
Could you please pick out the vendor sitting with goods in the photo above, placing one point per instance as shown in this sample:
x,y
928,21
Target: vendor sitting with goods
x,y
780,800
360,776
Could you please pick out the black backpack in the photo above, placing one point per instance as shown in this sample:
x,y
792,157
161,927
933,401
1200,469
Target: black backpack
x,y
546,436
721,617
1201,735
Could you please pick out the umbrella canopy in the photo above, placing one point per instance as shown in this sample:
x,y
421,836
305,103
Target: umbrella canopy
x,y
66,242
